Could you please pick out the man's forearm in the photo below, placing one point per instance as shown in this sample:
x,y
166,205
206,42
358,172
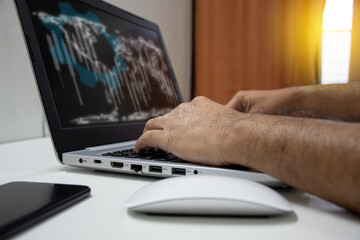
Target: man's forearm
x,y
318,156
336,101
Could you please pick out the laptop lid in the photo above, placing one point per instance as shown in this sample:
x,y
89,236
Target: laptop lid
x,y
101,72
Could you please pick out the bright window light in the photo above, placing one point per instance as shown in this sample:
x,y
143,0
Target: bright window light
x,y
336,42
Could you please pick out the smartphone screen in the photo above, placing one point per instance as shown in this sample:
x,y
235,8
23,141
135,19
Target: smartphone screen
x,y
23,204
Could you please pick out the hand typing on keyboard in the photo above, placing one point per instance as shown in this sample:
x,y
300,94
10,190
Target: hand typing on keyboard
x,y
194,131
320,156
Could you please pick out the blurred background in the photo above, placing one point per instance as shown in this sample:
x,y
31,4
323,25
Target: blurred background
x,y
255,44
216,47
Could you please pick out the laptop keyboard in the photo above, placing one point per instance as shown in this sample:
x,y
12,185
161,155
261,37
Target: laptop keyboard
x,y
156,154
148,154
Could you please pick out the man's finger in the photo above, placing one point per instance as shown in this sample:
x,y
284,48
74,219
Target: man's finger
x,y
152,138
155,124
238,102
232,103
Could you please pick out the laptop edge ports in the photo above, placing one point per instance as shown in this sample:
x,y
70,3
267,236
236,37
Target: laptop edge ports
x,y
156,169
117,164
178,171
136,167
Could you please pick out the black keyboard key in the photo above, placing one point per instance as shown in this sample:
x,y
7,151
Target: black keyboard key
x,y
148,154
178,160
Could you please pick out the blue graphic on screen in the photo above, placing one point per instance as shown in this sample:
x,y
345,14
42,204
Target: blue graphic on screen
x,y
83,21
118,74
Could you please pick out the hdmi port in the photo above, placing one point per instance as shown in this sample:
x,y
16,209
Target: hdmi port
x,y
117,164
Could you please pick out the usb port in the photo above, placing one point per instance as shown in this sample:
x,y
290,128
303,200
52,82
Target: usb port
x,y
117,164
156,169
97,161
178,171
136,168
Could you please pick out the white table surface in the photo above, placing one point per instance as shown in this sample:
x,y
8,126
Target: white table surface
x,y
104,216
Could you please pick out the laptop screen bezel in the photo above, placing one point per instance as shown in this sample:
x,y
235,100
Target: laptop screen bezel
x,y
71,139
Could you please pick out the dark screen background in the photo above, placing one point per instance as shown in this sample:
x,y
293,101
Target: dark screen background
x,y
101,68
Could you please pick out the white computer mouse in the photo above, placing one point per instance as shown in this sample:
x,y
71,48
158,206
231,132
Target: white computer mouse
x,y
208,195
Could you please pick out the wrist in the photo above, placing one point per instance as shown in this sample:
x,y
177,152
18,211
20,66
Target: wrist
x,y
296,99
240,140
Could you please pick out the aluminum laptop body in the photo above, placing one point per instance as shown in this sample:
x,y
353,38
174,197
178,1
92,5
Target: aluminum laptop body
x,y
102,72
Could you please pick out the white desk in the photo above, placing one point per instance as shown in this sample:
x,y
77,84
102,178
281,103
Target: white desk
x,y
103,215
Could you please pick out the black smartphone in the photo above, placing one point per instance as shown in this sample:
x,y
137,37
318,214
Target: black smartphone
x,y
23,204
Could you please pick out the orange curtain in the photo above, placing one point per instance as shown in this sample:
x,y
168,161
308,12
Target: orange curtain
x,y
255,44
354,71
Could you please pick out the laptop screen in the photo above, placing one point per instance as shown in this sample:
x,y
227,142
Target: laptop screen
x,y
102,69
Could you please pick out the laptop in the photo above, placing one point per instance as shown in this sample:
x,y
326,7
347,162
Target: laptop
x,y
102,72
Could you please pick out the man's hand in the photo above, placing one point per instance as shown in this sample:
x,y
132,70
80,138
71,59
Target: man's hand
x,y
196,131
286,102
317,156
258,101
334,101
